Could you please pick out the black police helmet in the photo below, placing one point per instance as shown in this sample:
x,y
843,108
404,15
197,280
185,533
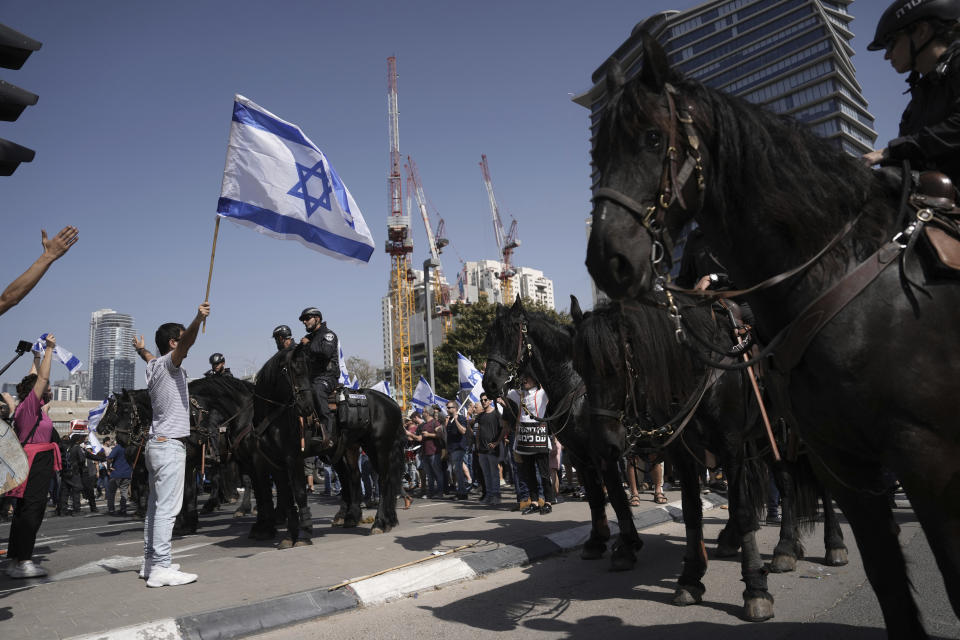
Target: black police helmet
x,y
216,359
903,13
282,331
310,311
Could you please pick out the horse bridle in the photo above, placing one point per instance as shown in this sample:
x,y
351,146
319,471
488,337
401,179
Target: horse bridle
x,y
524,351
673,180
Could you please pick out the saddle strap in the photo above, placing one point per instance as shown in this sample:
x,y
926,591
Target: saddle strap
x,y
802,330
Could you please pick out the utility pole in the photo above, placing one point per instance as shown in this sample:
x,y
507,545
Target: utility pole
x,y
428,264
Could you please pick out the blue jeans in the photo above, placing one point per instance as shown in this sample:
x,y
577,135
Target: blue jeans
x,y
434,472
455,456
166,463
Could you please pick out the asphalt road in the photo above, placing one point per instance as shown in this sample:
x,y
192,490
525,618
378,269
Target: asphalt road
x,y
565,597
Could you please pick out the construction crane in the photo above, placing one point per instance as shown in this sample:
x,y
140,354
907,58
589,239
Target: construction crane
x,y
506,242
399,246
441,290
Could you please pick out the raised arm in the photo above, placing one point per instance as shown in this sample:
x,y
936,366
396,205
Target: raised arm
x,y
188,337
53,248
43,371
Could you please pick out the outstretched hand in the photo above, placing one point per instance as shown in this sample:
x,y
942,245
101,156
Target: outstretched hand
x,y
60,243
138,343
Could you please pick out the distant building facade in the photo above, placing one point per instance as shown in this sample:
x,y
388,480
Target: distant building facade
x,y
112,358
479,280
791,56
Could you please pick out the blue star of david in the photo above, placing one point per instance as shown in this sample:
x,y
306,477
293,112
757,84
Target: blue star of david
x,y
300,190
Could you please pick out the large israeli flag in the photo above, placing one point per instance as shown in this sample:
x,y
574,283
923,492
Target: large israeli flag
x,y
279,183
423,394
469,375
93,418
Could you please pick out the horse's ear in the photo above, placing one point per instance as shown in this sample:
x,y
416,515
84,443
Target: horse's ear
x,y
615,76
575,310
656,69
517,305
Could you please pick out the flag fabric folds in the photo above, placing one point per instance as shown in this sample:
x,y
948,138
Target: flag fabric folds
x,y
70,361
93,418
279,183
469,375
95,445
423,394
383,387
344,375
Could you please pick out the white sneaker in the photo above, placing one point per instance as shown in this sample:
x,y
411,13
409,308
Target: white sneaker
x,y
143,569
25,569
169,577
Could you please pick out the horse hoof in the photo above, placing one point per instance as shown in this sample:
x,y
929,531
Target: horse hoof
x,y
757,609
303,543
836,558
286,543
337,521
377,531
239,514
683,597
593,551
367,520
725,551
783,564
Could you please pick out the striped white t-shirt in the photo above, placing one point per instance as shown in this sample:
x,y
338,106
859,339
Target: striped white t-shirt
x,y
167,384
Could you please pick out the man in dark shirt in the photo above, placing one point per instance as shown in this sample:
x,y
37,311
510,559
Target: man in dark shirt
x,y
120,473
457,427
431,453
488,445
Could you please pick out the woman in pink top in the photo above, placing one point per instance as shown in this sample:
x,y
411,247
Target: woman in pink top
x,y
39,439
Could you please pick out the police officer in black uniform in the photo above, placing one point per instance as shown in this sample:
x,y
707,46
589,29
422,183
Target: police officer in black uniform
x,y
921,37
218,367
323,348
283,337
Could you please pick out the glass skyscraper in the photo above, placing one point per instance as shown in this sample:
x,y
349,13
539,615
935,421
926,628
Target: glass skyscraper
x,y
792,56
112,358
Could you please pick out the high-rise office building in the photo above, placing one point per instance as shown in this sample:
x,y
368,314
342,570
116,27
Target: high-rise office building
x,y
792,56
480,279
112,358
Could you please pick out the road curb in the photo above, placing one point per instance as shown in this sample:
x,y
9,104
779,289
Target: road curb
x,y
294,608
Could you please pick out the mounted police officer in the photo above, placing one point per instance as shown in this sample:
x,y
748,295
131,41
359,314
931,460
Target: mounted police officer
x,y
283,337
323,348
921,37
218,367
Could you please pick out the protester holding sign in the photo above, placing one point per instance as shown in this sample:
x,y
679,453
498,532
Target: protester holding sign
x,y
532,444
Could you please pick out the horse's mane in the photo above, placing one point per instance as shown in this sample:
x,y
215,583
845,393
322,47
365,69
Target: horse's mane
x,y
761,167
663,369
221,390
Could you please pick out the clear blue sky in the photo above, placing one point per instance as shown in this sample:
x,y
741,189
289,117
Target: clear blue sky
x,y
132,124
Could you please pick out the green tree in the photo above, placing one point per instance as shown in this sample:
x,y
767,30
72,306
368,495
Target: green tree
x,y
467,337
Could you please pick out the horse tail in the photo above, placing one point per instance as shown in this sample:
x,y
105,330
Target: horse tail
x,y
807,490
755,474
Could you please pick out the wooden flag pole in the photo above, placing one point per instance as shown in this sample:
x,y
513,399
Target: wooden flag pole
x,y
213,253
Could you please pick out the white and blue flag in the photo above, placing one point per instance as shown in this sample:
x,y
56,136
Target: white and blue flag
x,y
469,374
279,183
354,383
93,418
95,445
474,395
422,395
344,374
383,387
70,361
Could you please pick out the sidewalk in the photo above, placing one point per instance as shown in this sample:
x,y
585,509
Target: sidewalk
x,y
437,543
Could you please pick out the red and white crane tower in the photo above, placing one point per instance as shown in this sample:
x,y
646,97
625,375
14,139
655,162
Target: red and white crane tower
x,y
399,246
441,289
506,242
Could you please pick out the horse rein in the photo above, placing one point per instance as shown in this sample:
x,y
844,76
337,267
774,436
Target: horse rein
x,y
672,182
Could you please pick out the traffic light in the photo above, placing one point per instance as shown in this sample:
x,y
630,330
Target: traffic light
x,y
15,48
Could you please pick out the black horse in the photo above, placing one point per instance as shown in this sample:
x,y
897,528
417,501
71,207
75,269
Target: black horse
x,y
650,396
284,418
772,198
521,341
128,416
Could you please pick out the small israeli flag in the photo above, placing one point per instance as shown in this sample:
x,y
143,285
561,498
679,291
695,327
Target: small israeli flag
x,y
95,445
423,394
93,418
467,372
383,387
354,383
474,395
279,183
344,375
70,361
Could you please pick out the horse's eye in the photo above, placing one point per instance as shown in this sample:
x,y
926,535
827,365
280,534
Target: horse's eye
x,y
652,139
